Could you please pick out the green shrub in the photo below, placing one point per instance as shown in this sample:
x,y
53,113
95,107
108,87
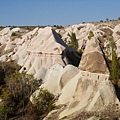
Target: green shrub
x,y
104,36
7,69
101,20
83,22
15,94
115,73
91,34
118,32
118,18
13,34
44,101
107,19
80,52
74,41
58,26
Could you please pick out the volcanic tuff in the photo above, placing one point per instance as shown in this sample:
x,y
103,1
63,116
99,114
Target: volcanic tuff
x,y
93,58
81,91
36,49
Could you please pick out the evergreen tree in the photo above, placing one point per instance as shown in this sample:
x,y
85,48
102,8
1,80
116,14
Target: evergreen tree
x,y
115,63
74,41
119,18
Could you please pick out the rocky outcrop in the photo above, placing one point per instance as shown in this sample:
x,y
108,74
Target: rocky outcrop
x,y
82,32
89,92
59,77
87,95
93,59
45,50
84,92
102,31
39,48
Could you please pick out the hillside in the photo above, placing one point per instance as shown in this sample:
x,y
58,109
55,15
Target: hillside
x,y
78,64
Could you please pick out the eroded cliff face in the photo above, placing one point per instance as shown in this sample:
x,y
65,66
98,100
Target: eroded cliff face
x,y
84,91
38,48
102,31
80,93
93,59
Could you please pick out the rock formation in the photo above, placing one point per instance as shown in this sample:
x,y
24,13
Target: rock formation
x,y
38,48
87,93
84,92
59,77
93,59
81,31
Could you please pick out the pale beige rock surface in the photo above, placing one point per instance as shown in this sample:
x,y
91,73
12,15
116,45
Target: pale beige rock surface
x,y
56,78
40,74
91,95
44,49
41,47
81,31
93,59
87,93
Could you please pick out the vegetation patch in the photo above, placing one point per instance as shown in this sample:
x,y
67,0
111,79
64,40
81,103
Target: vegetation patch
x,y
44,101
74,41
14,34
15,91
115,72
91,34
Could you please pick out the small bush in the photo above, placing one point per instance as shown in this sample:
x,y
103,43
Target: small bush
x,y
118,18
91,34
101,20
58,26
80,52
13,34
104,36
15,94
118,32
7,69
44,101
115,72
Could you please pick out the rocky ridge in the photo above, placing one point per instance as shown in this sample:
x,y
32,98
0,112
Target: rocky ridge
x,y
84,91
36,49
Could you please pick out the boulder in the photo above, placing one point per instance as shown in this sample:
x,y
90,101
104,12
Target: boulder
x,y
4,31
50,81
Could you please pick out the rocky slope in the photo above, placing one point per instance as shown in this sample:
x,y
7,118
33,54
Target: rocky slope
x,y
102,31
83,92
86,90
36,49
